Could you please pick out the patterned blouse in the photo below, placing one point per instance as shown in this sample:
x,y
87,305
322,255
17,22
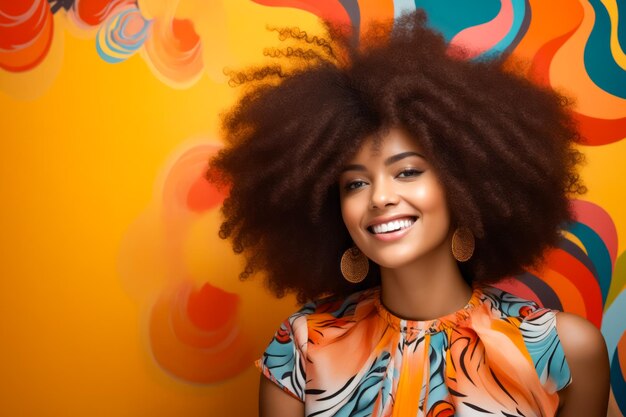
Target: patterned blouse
x,y
499,355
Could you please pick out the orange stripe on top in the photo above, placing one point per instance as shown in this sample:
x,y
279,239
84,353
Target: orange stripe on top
x,y
411,380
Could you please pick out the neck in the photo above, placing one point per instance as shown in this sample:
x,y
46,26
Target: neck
x,y
426,289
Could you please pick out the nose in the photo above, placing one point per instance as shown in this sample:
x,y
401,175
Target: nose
x,y
383,194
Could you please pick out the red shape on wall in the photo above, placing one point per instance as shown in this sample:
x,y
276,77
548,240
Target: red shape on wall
x,y
596,131
185,34
211,308
330,10
94,12
26,30
196,335
203,195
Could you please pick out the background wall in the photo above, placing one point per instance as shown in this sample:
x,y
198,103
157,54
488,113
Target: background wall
x,y
117,297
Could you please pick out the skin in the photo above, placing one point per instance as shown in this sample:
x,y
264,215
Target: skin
x,y
588,360
394,179
420,278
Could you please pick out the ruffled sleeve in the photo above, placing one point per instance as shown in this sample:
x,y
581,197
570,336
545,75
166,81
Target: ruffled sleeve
x,y
284,360
544,346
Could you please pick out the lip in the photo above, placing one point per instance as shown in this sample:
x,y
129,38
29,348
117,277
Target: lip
x,y
385,219
392,236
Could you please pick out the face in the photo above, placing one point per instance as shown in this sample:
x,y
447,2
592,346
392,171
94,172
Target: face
x,y
392,203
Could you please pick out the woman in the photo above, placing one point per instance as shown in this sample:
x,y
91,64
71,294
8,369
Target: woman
x,y
391,182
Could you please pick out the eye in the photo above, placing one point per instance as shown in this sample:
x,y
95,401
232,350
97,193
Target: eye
x,y
409,172
353,185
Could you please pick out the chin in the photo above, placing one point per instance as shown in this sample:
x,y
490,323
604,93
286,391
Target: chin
x,y
395,258
391,263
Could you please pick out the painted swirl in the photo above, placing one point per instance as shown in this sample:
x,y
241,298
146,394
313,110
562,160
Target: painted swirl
x,y
122,35
26,29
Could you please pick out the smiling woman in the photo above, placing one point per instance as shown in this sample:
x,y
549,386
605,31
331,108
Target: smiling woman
x,y
393,204
388,183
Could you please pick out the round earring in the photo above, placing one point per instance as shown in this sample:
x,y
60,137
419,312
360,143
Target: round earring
x,y
463,244
354,265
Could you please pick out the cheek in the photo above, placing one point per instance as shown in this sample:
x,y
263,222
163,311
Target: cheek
x,y
352,213
431,201
348,213
431,198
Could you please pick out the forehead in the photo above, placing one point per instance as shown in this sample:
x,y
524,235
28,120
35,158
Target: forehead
x,y
390,142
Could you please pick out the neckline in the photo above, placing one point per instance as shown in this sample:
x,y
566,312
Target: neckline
x,y
448,321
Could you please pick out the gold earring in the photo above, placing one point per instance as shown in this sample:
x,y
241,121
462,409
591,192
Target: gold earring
x,y
463,244
354,265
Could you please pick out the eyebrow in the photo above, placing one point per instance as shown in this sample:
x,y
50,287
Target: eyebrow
x,y
392,159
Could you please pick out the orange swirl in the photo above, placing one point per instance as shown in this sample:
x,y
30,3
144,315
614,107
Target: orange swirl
x,y
94,12
175,51
195,334
25,34
186,190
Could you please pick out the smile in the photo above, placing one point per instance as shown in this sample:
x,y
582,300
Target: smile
x,y
392,226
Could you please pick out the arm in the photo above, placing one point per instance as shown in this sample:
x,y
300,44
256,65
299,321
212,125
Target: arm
x,y
274,402
587,358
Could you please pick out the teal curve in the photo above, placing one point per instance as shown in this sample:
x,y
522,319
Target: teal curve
x,y
127,50
598,254
452,16
521,21
599,61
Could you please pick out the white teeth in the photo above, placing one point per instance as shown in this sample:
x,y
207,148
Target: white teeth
x,y
392,226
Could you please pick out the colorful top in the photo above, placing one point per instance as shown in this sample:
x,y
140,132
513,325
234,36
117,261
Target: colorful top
x,y
499,355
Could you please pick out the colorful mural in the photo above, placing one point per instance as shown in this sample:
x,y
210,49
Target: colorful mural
x,y
115,105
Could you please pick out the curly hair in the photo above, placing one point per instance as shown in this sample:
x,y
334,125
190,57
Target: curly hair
x,y
503,148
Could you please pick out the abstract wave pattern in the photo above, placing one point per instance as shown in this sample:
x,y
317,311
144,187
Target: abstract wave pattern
x,y
561,63
194,326
586,57
614,331
172,47
25,34
90,14
492,30
195,334
604,50
174,50
122,35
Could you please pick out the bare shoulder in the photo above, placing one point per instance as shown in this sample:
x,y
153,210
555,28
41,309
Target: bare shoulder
x,y
587,358
579,336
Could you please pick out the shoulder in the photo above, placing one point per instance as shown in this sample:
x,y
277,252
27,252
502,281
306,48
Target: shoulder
x,y
587,357
583,345
580,339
